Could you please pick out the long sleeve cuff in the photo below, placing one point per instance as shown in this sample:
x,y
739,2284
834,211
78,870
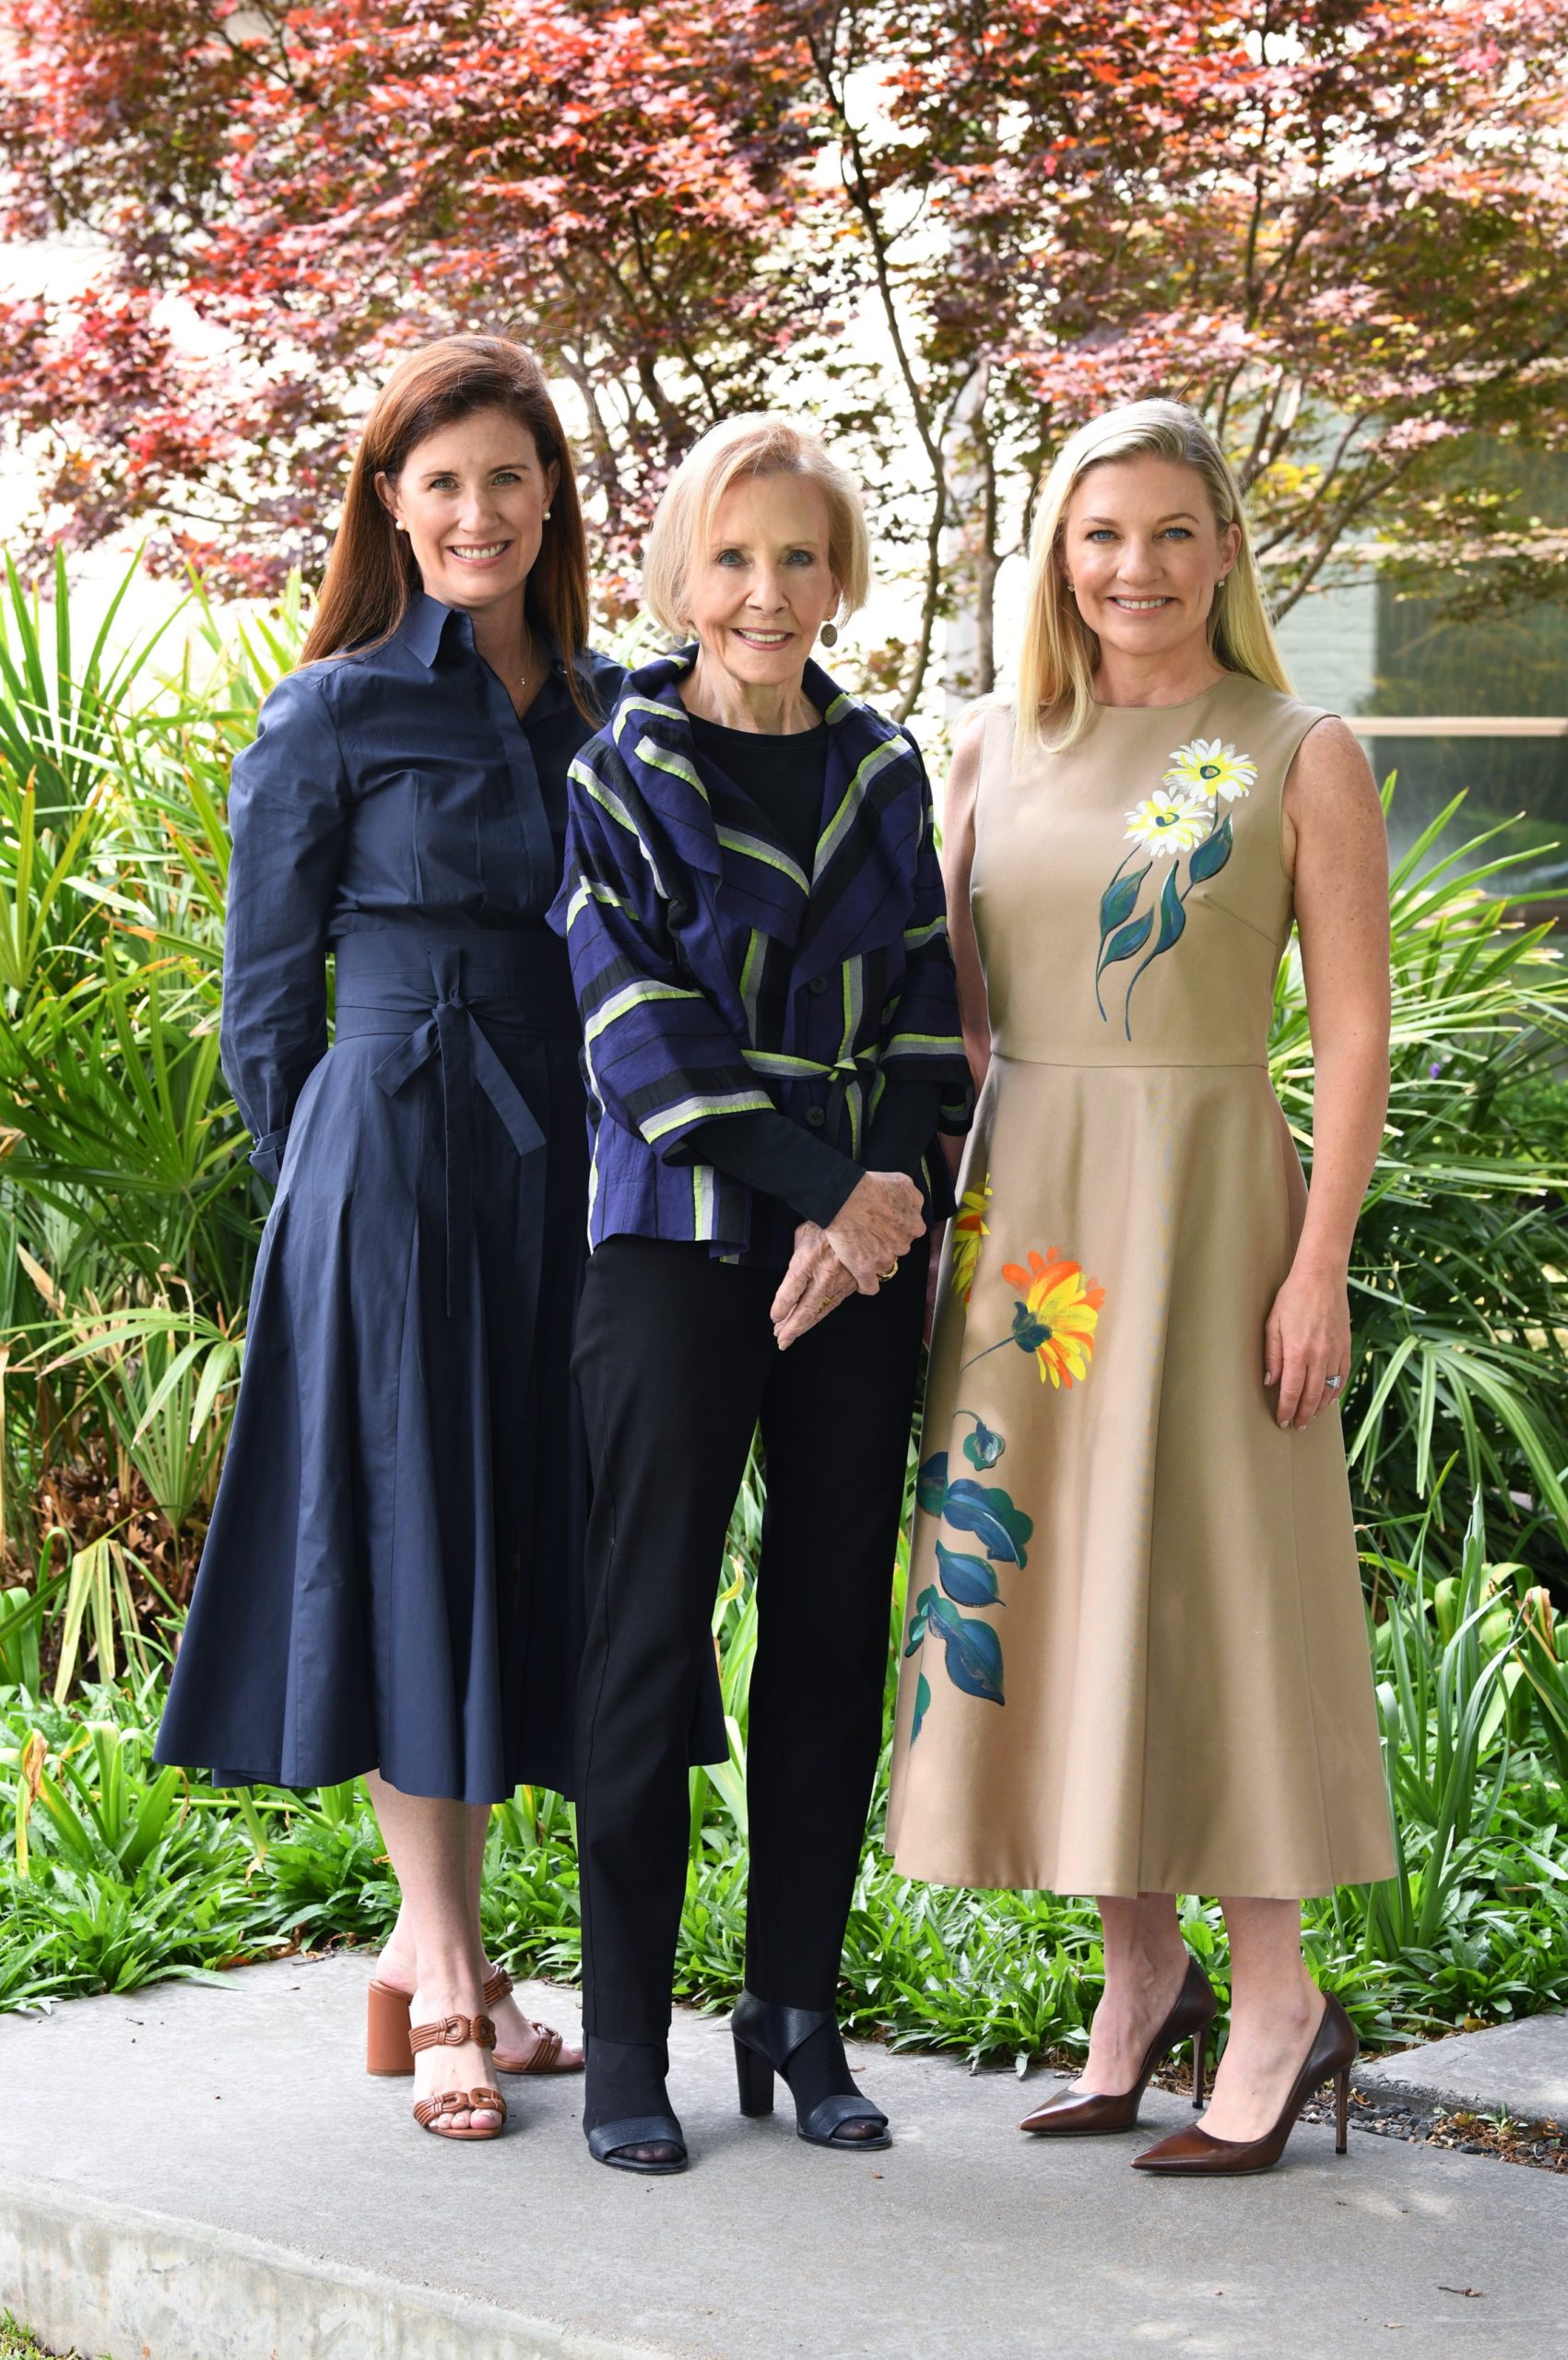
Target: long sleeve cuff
x,y
771,1152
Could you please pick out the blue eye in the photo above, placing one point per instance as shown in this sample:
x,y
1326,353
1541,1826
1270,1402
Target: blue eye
x,y
1100,533
801,557
1178,533
729,556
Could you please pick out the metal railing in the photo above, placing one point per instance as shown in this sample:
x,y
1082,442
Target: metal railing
x,y
1458,724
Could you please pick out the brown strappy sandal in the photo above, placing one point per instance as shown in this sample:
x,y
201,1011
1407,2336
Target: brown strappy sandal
x,y
430,2114
544,2056
386,2034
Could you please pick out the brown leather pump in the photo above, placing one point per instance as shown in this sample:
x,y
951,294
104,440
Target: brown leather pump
x,y
1082,2114
434,2113
387,2048
1196,2152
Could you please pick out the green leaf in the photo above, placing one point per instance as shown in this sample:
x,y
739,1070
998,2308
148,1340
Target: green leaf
x,y
973,1651
1128,942
968,1579
1209,857
1119,899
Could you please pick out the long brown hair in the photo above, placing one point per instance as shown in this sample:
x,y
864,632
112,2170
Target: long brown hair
x,y
372,576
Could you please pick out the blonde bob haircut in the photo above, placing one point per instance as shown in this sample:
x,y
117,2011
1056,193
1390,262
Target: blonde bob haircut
x,y
1057,664
760,444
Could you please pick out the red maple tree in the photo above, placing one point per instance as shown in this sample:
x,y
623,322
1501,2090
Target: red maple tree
x,y
1340,227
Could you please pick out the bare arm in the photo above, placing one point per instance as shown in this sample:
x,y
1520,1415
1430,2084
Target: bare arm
x,y
1336,850
958,859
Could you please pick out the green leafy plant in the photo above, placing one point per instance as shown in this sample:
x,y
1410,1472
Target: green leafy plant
x,y
1460,1294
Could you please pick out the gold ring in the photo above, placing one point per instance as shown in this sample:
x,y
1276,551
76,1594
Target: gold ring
x,y
883,1276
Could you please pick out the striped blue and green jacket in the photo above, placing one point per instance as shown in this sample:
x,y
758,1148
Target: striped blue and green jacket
x,y
715,977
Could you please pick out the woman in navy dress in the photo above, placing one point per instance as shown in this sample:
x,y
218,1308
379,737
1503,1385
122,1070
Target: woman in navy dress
x,y
390,1581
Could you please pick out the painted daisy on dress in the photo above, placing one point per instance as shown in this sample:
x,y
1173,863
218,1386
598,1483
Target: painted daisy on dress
x,y
1058,1316
969,1228
1168,823
1185,833
1207,768
1054,1318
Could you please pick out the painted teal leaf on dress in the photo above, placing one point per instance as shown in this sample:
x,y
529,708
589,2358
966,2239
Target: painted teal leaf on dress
x,y
968,1580
922,1699
986,1510
1173,916
918,1620
1129,941
973,1651
931,1487
1120,898
1212,855
1173,925
984,1445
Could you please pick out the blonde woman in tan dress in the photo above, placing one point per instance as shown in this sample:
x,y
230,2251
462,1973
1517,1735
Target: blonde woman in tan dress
x,y
1136,1660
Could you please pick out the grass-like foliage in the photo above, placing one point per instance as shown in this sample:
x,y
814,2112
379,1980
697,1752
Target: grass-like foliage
x,y
115,1872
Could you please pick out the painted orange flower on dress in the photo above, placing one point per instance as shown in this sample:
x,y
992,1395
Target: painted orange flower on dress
x,y
969,1228
1058,1315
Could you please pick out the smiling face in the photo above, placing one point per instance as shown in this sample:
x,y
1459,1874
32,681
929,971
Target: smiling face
x,y
764,586
1144,554
472,498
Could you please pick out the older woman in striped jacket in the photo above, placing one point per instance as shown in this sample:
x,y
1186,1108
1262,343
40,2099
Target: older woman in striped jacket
x,y
759,949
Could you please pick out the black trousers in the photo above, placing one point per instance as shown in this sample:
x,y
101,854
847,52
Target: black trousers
x,y
677,1364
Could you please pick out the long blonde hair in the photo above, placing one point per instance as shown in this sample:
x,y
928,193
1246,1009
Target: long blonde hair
x,y
1056,693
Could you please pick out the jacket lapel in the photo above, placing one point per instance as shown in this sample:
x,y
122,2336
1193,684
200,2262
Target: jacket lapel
x,y
861,889
873,808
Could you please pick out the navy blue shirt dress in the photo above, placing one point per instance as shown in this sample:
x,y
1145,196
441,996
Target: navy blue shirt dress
x,y
391,1575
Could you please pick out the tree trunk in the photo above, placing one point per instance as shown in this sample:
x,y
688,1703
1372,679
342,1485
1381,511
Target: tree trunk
x,y
970,559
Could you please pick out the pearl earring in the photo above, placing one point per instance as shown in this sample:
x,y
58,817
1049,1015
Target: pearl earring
x,y
401,526
547,515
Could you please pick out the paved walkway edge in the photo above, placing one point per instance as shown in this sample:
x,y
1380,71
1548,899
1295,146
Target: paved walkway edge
x,y
138,2285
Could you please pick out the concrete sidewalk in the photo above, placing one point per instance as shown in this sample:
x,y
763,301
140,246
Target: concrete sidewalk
x,y
1519,2070
205,2174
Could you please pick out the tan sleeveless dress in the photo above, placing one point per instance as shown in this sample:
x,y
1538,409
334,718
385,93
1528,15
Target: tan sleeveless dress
x,y
1136,1654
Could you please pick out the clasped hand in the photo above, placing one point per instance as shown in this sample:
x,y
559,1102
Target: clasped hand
x,y
877,1223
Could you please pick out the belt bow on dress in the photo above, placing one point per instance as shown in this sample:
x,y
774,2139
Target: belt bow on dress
x,y
442,989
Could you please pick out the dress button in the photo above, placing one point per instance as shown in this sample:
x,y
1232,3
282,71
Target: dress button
x,y
818,984
815,1117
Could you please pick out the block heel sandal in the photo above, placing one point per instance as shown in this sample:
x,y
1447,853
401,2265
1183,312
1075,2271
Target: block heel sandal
x,y
431,2113
387,2048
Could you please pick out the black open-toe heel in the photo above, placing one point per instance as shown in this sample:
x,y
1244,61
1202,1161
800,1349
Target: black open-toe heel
x,y
766,2038
623,2075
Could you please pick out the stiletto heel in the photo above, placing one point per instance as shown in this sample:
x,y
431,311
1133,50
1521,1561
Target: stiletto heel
x,y
755,2075
1200,2067
1195,2152
1082,2114
765,2039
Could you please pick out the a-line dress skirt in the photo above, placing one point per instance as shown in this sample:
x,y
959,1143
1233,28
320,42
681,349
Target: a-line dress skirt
x,y
392,1578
